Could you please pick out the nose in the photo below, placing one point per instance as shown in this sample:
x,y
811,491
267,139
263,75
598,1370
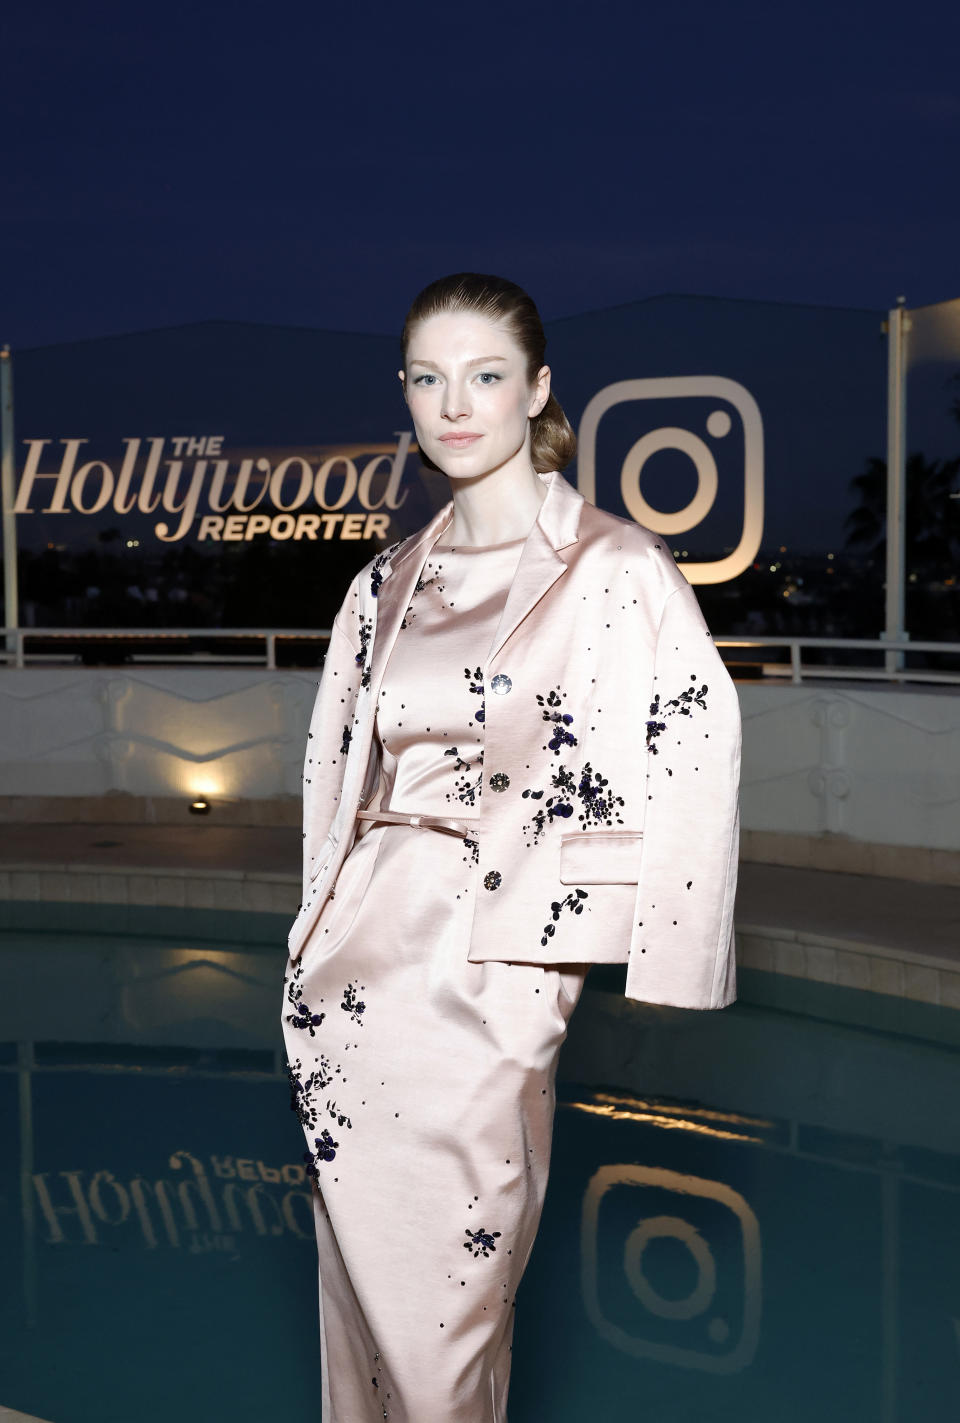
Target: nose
x,y
455,404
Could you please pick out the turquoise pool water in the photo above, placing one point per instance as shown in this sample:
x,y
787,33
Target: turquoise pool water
x,y
751,1214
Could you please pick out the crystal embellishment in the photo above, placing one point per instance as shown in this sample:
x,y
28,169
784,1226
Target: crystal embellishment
x,y
501,684
492,879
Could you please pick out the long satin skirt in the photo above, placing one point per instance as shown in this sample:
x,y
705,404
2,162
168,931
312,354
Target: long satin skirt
x,y
425,1088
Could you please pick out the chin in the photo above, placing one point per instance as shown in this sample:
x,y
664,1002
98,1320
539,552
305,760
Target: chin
x,y
472,464
468,464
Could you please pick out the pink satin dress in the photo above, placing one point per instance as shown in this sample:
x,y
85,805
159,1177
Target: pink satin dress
x,y
424,1083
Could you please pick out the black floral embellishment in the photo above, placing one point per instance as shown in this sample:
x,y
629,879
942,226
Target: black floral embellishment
x,y
376,576
556,806
474,847
481,1242
366,629
561,720
303,1097
574,900
301,1094
421,583
499,781
326,1150
677,706
345,742
465,789
308,1090
351,1004
302,1017
654,727
598,801
475,679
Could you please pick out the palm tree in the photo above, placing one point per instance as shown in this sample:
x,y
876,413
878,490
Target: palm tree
x,y
932,516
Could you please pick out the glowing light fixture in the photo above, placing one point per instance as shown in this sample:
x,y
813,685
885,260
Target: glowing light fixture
x,y
200,806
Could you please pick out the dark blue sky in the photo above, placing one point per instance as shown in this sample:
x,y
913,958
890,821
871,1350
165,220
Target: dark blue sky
x,y
317,165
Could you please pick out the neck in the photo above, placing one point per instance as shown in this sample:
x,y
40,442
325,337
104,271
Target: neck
x,y
496,507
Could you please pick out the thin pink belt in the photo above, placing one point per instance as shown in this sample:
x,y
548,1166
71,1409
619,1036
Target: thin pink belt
x,y
429,822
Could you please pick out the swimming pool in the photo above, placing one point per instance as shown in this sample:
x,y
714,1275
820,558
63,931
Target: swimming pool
x,y
751,1214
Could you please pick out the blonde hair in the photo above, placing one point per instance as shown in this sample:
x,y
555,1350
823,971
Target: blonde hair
x,y
552,441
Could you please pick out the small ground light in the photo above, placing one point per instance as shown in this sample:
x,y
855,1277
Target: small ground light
x,y
199,806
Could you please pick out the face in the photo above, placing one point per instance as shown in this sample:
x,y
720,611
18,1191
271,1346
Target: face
x,y
467,391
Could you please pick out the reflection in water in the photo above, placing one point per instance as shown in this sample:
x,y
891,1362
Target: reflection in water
x,y
750,1214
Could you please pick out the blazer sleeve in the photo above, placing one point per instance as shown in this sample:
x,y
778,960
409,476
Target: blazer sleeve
x,y
329,735
682,945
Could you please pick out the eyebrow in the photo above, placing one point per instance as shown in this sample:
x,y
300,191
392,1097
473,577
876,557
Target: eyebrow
x,y
480,361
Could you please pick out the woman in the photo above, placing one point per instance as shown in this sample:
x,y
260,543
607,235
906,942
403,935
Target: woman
x,y
523,758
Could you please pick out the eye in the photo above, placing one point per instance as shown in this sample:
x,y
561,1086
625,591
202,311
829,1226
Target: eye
x,y
494,377
421,380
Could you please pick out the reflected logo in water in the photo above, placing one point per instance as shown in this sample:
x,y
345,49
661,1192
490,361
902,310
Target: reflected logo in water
x,y
197,1213
671,1267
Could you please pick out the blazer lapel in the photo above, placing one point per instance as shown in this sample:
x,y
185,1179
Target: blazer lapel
x,y
399,578
540,562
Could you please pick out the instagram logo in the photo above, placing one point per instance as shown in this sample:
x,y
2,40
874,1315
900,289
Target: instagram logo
x,y
709,406
670,1267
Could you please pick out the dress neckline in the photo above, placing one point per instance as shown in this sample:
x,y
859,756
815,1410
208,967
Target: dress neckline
x,y
477,548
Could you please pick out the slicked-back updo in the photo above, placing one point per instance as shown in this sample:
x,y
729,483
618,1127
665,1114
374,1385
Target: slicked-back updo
x,y
552,441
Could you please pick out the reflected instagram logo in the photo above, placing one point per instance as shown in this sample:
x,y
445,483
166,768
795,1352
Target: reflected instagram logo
x,y
701,445
670,1267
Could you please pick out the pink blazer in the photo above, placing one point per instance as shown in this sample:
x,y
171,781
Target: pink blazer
x,y
609,817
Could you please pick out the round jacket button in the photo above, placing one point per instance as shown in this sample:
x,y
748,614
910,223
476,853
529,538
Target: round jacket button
x,y
491,879
499,781
501,684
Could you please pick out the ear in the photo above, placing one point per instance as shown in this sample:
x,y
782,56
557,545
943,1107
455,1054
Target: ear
x,y
403,383
541,392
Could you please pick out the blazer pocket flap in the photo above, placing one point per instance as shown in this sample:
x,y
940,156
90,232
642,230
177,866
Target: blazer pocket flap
x,y
600,857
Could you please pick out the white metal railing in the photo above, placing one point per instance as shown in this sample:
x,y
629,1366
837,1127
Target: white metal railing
x,y
16,653
891,670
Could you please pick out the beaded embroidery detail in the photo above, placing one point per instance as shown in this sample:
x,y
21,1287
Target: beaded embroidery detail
x,y
361,659
465,790
302,1017
682,705
481,1242
305,1090
376,577
475,679
574,900
562,721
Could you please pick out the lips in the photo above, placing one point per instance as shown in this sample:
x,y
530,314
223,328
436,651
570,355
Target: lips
x,y
460,440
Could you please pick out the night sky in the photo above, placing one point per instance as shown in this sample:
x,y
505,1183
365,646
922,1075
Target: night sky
x,y
316,165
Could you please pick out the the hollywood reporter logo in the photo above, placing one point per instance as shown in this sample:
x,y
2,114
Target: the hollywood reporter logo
x,y
671,1267
703,438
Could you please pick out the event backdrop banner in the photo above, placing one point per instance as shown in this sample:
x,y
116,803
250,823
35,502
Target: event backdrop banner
x,y
226,474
